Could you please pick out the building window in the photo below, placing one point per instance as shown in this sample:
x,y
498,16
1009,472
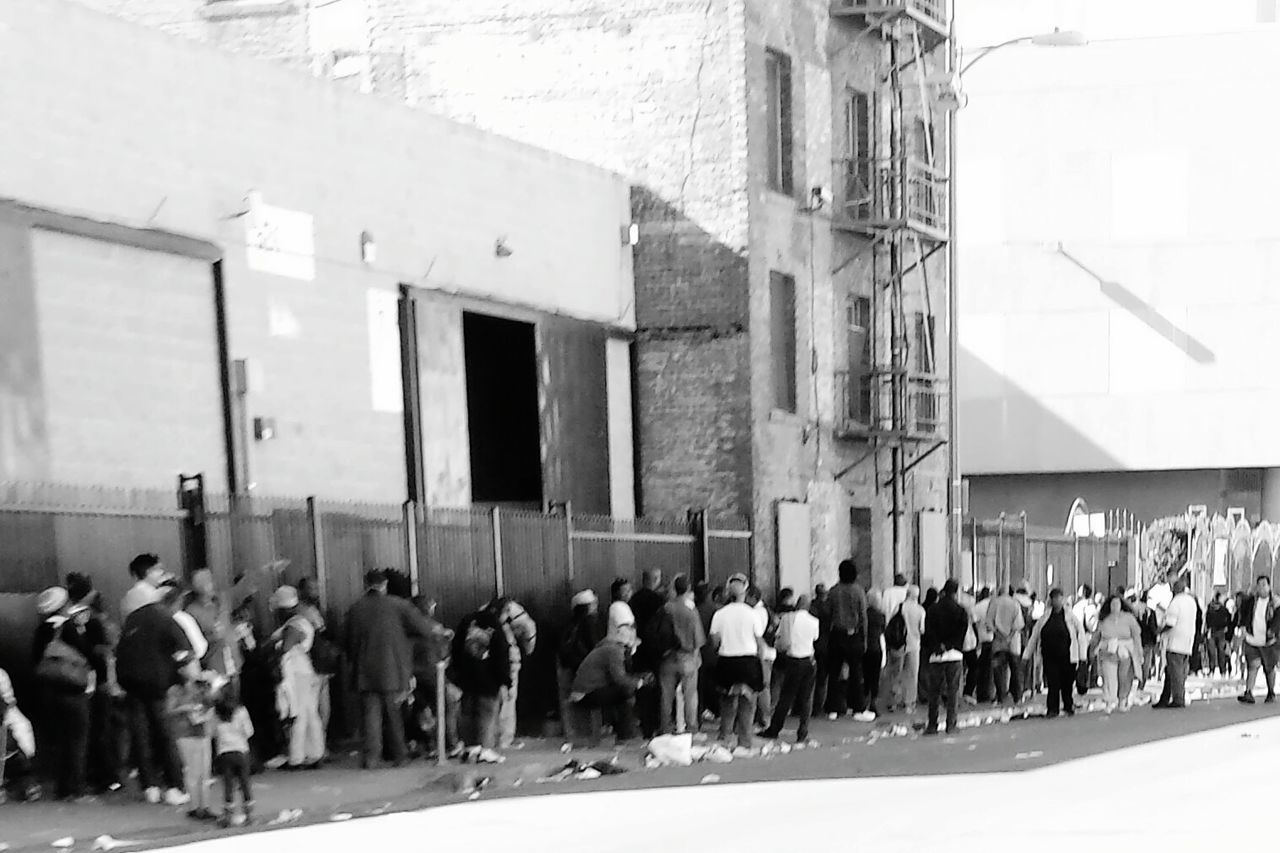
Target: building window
x,y
921,143
859,150
782,317
778,87
858,323
925,343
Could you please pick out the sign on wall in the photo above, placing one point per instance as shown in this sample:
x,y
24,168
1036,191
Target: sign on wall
x,y
279,241
794,534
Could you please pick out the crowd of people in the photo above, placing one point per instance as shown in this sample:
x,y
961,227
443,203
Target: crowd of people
x,y
195,684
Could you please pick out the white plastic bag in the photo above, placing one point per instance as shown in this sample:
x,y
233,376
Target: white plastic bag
x,y
672,750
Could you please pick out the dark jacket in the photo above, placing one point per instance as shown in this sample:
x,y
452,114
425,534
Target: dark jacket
x,y
380,631
945,626
606,666
875,627
152,649
848,608
646,605
1218,618
580,637
480,663
1245,619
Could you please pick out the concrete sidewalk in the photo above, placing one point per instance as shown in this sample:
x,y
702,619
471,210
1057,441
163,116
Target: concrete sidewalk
x,y
342,791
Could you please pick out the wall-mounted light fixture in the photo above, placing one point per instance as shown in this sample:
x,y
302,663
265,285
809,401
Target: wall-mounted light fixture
x,y
368,248
501,249
264,429
631,235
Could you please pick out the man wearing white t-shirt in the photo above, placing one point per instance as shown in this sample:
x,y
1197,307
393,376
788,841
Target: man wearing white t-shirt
x,y
1179,635
796,669
736,633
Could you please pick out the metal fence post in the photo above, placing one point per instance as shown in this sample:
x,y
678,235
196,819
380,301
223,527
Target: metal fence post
x,y
698,525
317,547
568,541
1025,550
499,585
409,515
1000,553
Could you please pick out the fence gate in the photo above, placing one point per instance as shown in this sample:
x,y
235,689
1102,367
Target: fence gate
x,y
1010,552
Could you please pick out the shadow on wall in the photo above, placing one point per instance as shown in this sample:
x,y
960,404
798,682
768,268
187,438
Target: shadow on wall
x,y
692,365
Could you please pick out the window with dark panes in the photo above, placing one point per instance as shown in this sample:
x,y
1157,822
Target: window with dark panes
x,y
858,323
925,343
782,318
778,89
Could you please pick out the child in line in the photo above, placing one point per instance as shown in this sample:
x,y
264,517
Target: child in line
x,y
189,714
232,729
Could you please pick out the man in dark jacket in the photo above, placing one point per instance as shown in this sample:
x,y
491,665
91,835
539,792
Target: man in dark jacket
x,y
647,606
682,636
847,607
1217,621
380,633
603,682
1259,621
153,649
942,645
480,665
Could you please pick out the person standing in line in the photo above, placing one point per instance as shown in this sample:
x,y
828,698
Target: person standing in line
x,y
709,703
620,612
893,598
1004,624
213,618
1150,628
62,655
108,721
682,638
298,693
737,636
1060,640
189,707
873,657
148,574
1260,624
380,631
984,672
522,638
768,654
1237,636
1217,621
1119,650
795,671
820,609
152,652
847,645
580,637
1179,633
1086,612
969,678
646,606
945,627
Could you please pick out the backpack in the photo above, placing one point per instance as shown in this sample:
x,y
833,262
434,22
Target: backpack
x,y
62,666
771,628
895,633
325,657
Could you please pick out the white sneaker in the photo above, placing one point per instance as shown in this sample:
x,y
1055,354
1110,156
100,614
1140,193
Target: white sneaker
x,y
865,716
152,795
174,797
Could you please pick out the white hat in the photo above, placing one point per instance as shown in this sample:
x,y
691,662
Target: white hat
x,y
284,598
51,601
584,597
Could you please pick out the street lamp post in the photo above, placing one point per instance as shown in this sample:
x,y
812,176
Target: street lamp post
x,y
1057,38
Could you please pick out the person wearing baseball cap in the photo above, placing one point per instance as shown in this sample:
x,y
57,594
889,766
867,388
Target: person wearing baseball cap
x,y
62,654
299,687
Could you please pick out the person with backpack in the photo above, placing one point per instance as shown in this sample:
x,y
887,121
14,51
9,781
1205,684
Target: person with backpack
x,y
62,654
579,638
680,640
895,644
480,665
768,654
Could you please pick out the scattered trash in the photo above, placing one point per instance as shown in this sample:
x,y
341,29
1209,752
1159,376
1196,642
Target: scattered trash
x,y
584,772
474,795
385,807
64,843
106,842
972,747
1248,735
672,750
4,847
286,816
340,816
709,779
517,783
718,754
566,749
588,774
1022,756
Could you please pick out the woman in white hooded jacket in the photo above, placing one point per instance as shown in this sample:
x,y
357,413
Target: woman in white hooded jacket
x,y
1062,643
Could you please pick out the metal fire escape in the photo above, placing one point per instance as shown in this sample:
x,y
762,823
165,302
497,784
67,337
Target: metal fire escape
x,y
896,199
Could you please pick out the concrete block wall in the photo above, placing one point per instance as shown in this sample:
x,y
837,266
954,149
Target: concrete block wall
x,y
124,124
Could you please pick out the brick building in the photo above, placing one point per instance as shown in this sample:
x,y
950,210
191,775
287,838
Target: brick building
x,y
213,264
767,330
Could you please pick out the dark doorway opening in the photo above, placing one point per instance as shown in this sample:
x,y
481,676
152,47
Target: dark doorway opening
x,y
502,410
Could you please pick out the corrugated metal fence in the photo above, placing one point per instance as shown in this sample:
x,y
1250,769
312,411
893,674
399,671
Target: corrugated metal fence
x,y
460,556
1008,551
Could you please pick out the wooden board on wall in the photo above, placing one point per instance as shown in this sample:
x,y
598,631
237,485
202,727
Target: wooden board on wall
x,y
575,419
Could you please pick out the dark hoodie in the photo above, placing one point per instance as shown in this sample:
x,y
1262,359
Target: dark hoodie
x,y
481,658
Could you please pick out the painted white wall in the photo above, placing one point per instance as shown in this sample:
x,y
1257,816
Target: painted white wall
x,y
1146,157
622,475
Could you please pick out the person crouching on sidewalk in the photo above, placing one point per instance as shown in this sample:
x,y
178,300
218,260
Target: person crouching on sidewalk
x,y
602,682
